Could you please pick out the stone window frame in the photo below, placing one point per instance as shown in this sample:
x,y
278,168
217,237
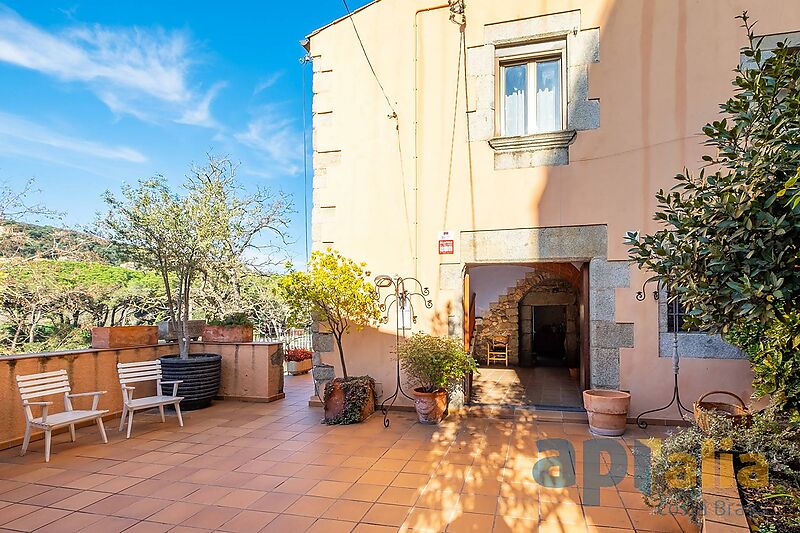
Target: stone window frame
x,y
582,48
770,42
527,53
691,344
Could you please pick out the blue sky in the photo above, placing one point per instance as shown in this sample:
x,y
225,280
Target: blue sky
x,y
95,94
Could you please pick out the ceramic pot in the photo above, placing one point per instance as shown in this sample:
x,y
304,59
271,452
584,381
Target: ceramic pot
x,y
430,406
607,410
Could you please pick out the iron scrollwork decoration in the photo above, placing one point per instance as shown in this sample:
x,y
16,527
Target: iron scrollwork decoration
x,y
676,394
400,295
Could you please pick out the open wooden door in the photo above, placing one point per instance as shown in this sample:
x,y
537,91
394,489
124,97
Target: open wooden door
x,y
468,302
585,373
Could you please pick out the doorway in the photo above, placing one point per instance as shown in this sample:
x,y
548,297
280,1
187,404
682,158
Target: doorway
x,y
537,308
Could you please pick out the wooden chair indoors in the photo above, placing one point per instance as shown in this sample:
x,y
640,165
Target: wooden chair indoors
x,y
497,351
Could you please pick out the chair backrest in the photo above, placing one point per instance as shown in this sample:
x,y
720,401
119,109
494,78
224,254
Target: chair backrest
x,y
136,372
500,341
37,385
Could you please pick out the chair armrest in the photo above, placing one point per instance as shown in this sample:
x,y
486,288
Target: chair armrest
x,y
174,385
45,406
95,400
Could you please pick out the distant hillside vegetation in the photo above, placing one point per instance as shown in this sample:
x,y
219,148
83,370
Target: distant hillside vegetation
x,y
19,239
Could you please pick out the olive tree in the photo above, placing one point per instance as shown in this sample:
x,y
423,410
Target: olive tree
x,y
335,291
206,228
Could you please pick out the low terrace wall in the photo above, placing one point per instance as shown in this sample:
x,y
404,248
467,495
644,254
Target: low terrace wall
x,y
250,372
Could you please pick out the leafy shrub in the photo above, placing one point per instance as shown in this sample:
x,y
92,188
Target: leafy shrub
x,y
296,355
431,363
774,352
768,436
233,319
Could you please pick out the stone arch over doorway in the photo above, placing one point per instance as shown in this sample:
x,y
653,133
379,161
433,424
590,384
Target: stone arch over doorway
x,y
511,315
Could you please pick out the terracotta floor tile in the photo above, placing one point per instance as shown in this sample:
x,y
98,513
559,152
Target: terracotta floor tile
x,y
427,520
71,523
149,527
274,502
471,522
248,521
212,517
106,505
240,498
16,510
509,524
176,513
51,496
386,515
329,489
264,482
363,492
607,517
142,508
287,523
38,518
478,503
374,528
110,524
645,521
348,510
24,492
399,496
326,525
207,495
378,477
296,485
410,481
314,506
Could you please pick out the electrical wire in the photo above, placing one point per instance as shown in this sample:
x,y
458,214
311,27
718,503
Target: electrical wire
x,y
453,134
366,56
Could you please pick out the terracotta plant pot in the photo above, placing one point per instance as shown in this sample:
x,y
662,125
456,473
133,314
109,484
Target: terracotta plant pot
x,y
335,404
607,410
430,406
124,336
230,334
296,368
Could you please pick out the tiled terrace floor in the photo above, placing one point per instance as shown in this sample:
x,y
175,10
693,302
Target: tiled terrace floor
x,y
272,467
543,386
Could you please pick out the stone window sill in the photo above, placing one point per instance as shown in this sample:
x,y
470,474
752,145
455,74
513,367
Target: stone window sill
x,y
538,141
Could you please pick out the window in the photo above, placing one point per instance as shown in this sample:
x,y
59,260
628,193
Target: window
x,y
531,92
676,318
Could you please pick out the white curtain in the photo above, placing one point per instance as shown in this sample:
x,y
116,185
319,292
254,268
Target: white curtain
x,y
548,96
514,100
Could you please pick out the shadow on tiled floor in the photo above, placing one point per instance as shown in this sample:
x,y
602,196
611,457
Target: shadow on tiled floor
x,y
540,386
272,467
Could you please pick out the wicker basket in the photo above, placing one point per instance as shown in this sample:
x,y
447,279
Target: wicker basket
x,y
736,413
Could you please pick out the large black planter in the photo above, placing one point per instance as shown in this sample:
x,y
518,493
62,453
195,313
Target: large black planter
x,y
200,374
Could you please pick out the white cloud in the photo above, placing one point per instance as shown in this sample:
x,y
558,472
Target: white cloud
x,y
277,141
41,139
141,72
267,82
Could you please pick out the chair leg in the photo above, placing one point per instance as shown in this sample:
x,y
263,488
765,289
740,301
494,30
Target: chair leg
x,y
26,440
161,410
72,432
124,414
178,412
130,423
102,429
46,445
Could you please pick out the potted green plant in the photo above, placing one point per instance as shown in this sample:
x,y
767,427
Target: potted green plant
x,y
298,361
431,364
184,237
335,291
235,327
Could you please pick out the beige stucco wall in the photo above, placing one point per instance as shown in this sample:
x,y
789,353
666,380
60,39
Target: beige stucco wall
x,y
664,67
250,372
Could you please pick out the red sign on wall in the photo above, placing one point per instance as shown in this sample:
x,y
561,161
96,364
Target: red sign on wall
x,y
446,243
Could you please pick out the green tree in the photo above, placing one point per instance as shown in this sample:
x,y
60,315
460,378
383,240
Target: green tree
x,y
199,233
335,291
730,248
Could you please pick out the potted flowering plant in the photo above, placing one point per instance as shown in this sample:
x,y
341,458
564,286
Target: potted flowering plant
x,y
298,361
432,363
235,327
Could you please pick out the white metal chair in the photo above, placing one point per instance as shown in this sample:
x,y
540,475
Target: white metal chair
x,y
52,383
145,371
